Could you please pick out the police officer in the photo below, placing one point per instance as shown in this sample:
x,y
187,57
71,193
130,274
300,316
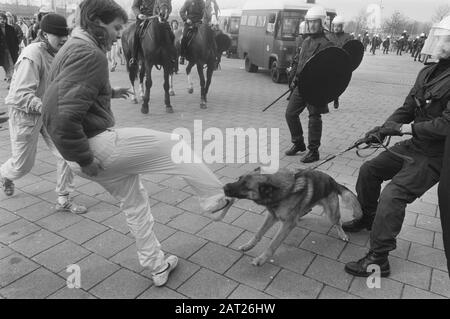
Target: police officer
x,y
191,13
316,41
413,166
339,38
144,9
386,44
294,63
420,44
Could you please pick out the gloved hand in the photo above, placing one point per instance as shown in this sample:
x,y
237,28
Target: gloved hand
x,y
391,129
294,83
373,136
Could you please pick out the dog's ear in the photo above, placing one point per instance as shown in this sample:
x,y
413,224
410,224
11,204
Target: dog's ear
x,y
300,184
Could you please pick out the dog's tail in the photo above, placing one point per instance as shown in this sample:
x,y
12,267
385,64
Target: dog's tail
x,y
349,199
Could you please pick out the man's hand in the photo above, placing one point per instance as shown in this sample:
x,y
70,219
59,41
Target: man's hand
x,y
121,93
374,136
92,169
391,129
141,16
189,21
294,83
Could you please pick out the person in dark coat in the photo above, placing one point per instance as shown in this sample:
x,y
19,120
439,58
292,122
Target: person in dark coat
x,y
192,13
386,44
9,46
315,42
413,166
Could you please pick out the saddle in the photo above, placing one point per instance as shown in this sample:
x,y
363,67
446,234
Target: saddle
x,y
191,32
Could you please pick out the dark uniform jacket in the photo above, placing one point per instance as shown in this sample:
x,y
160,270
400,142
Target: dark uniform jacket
x,y
339,39
9,41
311,46
428,106
193,10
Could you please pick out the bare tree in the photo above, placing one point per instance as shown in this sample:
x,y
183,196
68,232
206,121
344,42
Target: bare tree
x,y
358,24
395,24
441,12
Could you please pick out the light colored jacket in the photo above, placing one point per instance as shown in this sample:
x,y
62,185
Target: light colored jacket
x,y
28,83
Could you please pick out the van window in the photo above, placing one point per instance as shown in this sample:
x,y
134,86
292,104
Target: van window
x,y
244,20
234,25
251,22
290,23
261,21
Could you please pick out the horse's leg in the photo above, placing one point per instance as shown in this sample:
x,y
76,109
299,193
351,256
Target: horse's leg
x,y
141,81
167,75
209,74
171,90
188,72
132,73
148,86
202,86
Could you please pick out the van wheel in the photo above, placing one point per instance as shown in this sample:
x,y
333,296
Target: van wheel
x,y
275,73
250,67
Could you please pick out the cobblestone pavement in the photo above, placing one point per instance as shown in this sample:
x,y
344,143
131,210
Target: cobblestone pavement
x,y
37,244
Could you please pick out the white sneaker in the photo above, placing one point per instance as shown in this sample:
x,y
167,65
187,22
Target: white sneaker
x,y
160,279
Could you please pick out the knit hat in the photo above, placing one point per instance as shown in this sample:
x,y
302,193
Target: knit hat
x,y
54,24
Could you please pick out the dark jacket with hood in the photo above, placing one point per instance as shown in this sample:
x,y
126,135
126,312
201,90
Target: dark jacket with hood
x,y
9,41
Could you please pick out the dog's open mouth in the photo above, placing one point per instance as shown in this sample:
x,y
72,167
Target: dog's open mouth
x,y
223,210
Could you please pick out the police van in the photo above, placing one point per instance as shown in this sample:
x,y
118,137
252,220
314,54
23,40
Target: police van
x,y
268,33
229,21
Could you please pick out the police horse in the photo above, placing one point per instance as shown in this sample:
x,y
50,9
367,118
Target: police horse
x,y
155,50
200,52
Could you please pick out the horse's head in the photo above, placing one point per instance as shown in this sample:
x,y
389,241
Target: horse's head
x,y
164,9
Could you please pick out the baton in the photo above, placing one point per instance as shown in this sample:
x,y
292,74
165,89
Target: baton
x,y
285,93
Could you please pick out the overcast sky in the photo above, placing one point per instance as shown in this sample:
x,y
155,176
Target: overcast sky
x,y
420,10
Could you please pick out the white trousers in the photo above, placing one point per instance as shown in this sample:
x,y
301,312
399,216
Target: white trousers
x,y
127,153
24,130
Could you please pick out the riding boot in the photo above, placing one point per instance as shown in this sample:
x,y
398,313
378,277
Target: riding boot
x,y
134,58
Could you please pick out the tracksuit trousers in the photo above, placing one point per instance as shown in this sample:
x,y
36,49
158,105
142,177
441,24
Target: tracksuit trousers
x,y
127,153
24,131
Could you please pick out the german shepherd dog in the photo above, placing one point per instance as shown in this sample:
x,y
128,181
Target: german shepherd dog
x,y
288,196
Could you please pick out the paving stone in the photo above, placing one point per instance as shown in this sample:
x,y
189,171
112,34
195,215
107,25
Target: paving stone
x,y
58,221
257,277
410,273
39,187
294,259
352,253
163,232
94,269
185,270
83,231
171,196
102,211
18,201
5,251
440,283
16,230
428,256
87,201
257,250
430,223
123,284
438,242
191,204
215,257
207,285
128,258
220,233
91,189
296,236
7,217
422,208
410,292
289,285
174,182
329,272
389,289
117,222
245,292
360,238
164,213
189,223
417,235
14,267
36,243
249,205
153,188
318,224
36,211
160,293
67,293
36,285
323,245
108,243
182,244
250,221
333,293
60,256
402,250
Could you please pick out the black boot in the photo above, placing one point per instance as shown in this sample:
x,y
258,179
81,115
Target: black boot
x,y
312,156
336,104
297,147
359,268
356,225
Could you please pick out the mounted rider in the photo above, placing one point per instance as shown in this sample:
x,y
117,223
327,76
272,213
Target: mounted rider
x,y
192,14
143,9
